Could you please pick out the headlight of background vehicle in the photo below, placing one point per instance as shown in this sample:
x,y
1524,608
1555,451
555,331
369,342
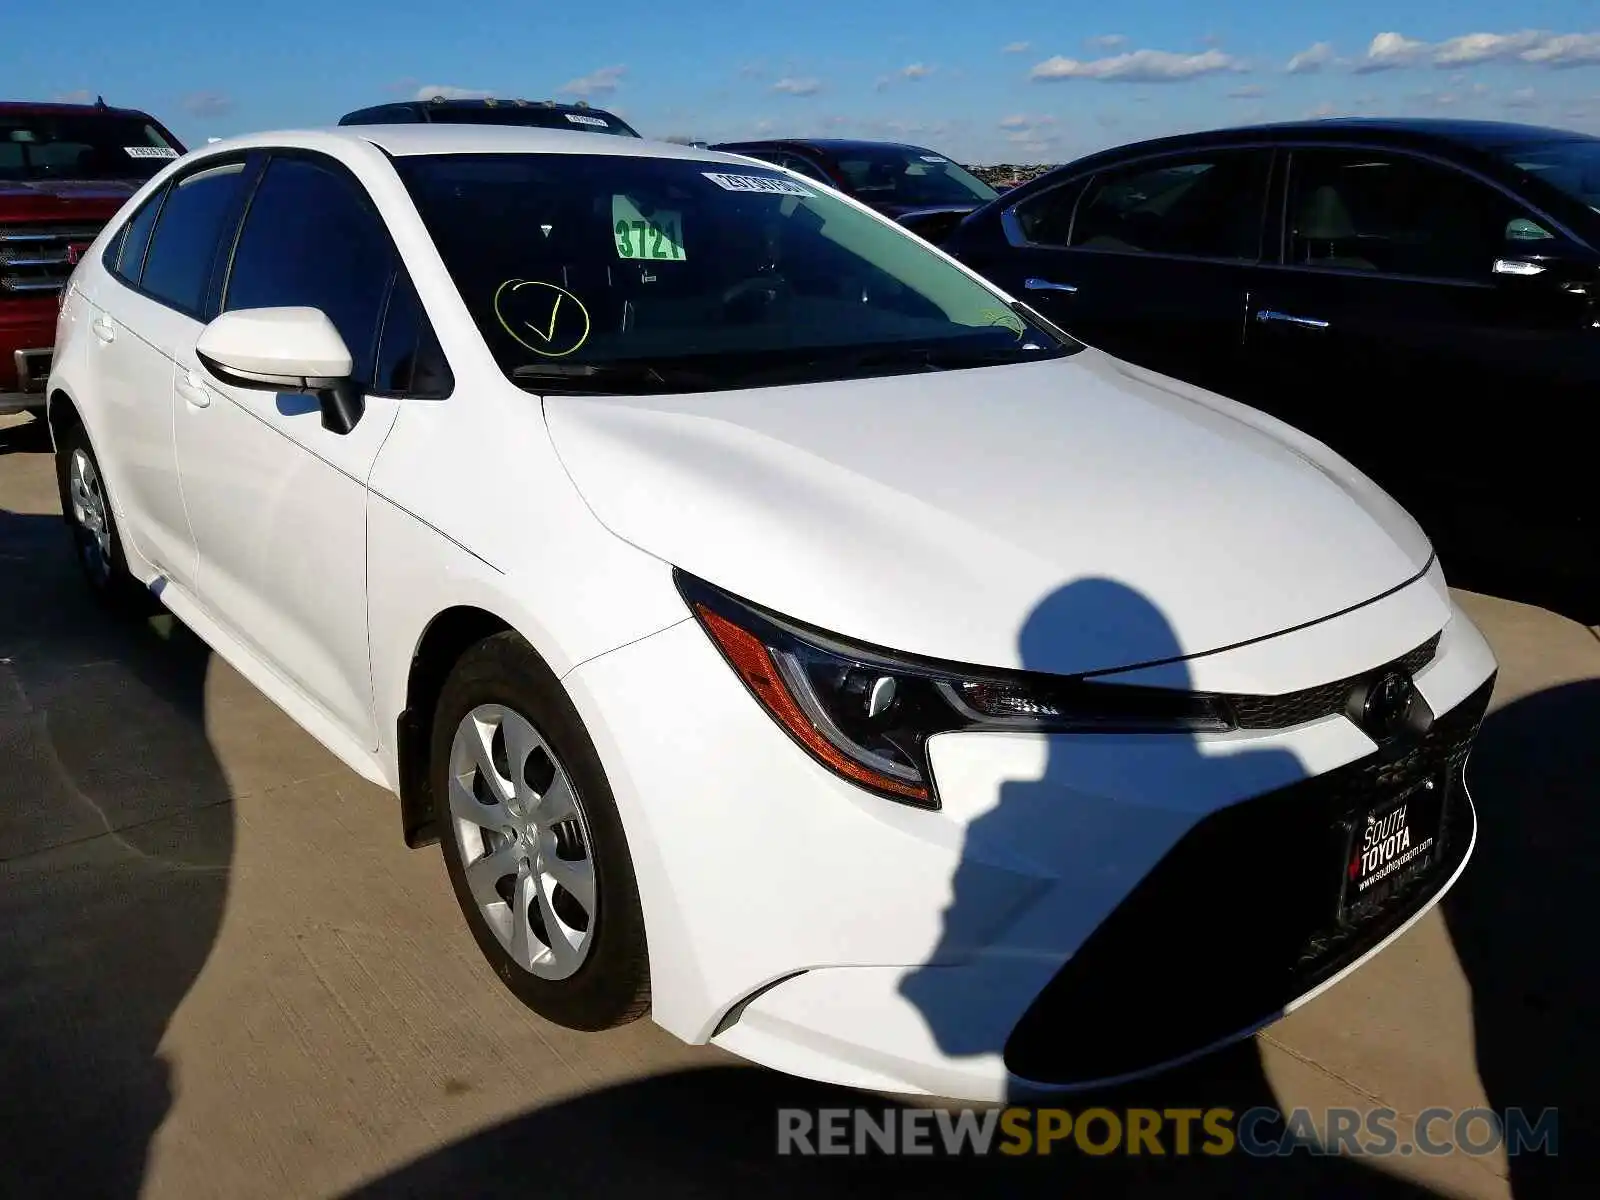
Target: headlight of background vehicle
x,y
867,713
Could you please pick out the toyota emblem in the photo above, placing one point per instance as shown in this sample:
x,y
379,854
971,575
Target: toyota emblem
x,y
1384,705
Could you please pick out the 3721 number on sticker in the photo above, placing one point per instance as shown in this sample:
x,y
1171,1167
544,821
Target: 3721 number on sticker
x,y
656,238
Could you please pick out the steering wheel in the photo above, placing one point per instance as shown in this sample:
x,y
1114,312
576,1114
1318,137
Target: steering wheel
x,y
752,297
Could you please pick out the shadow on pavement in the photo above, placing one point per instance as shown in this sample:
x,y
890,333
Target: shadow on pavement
x,y
115,843
1522,919
25,437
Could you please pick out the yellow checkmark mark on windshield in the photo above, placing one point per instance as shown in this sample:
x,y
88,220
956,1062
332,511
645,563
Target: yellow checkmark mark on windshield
x,y
549,332
545,338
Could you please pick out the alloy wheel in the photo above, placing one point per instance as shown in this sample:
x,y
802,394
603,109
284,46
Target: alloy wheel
x,y
90,516
518,825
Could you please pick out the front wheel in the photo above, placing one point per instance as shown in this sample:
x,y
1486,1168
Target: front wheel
x,y
532,840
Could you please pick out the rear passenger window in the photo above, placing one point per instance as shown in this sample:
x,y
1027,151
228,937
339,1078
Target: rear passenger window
x,y
310,239
1046,219
1200,206
184,246
135,239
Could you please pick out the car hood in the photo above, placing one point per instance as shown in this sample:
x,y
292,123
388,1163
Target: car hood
x,y
64,198
936,513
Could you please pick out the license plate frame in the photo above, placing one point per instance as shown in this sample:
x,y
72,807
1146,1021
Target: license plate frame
x,y
1388,846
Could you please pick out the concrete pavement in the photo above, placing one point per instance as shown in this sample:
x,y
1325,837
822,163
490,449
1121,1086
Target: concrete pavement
x,y
222,973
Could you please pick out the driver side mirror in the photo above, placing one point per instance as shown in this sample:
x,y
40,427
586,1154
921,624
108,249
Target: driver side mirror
x,y
285,350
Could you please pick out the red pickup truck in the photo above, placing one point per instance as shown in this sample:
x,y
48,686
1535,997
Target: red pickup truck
x,y
65,170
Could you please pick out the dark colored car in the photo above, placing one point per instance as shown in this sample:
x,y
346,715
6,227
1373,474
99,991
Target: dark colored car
x,y
1419,295
543,114
65,170
925,191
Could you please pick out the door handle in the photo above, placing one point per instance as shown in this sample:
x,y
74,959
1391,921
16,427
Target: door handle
x,y
1266,314
104,330
193,389
1033,284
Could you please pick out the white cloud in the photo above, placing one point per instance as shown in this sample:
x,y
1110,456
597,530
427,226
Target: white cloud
x,y
1523,98
1565,50
450,92
1250,91
600,82
1136,66
1322,110
1311,59
916,71
1017,121
1389,51
1016,48
798,87
79,96
1109,41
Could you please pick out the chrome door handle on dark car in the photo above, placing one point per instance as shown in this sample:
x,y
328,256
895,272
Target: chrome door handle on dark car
x,y
1267,314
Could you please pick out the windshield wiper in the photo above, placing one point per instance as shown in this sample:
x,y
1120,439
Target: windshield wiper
x,y
908,359
625,378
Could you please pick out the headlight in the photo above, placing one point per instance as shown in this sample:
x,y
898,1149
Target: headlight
x,y
867,713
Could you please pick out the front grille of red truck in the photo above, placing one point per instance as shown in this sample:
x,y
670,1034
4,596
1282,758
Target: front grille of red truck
x,y
38,259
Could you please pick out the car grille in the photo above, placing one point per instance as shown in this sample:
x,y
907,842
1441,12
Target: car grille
x,y
1324,700
36,259
1239,918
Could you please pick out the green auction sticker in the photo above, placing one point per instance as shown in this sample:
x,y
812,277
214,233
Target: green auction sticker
x,y
656,238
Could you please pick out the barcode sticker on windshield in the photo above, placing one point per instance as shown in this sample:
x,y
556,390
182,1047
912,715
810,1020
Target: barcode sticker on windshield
x,y
933,158
757,183
581,119
150,152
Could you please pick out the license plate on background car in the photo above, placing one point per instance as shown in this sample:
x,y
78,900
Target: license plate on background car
x,y
1389,846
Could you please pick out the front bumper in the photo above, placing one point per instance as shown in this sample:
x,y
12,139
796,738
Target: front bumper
x,y
27,334
1061,921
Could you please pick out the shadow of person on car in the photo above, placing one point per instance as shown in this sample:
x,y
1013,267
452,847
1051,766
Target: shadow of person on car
x,y
115,845
716,1132
1520,922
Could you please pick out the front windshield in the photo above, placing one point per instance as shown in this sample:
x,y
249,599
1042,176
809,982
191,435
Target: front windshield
x,y
595,265
1572,166
910,176
539,118
37,146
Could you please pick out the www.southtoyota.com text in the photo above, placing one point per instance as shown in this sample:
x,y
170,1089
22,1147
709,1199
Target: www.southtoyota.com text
x,y
1214,1132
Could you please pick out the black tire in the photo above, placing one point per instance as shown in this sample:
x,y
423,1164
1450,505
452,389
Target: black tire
x,y
612,985
104,571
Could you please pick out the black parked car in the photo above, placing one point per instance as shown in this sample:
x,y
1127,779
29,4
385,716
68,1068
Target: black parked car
x,y
1420,295
544,114
925,191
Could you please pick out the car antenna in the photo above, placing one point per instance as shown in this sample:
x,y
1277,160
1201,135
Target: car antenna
x,y
100,102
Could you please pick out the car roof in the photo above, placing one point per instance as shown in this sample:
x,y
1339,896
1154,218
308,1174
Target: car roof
x,y
480,102
403,141
1419,132
830,145
14,108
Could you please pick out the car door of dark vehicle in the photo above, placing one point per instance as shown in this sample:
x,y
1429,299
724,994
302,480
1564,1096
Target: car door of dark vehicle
x,y
1148,260
1407,328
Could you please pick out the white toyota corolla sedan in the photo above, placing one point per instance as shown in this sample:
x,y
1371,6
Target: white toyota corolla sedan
x,y
782,631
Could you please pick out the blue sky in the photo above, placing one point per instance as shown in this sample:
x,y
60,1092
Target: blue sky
x,y
1026,80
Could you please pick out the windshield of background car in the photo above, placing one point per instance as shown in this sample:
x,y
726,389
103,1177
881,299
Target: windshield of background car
x,y
574,261
906,175
538,118
82,146
1573,166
